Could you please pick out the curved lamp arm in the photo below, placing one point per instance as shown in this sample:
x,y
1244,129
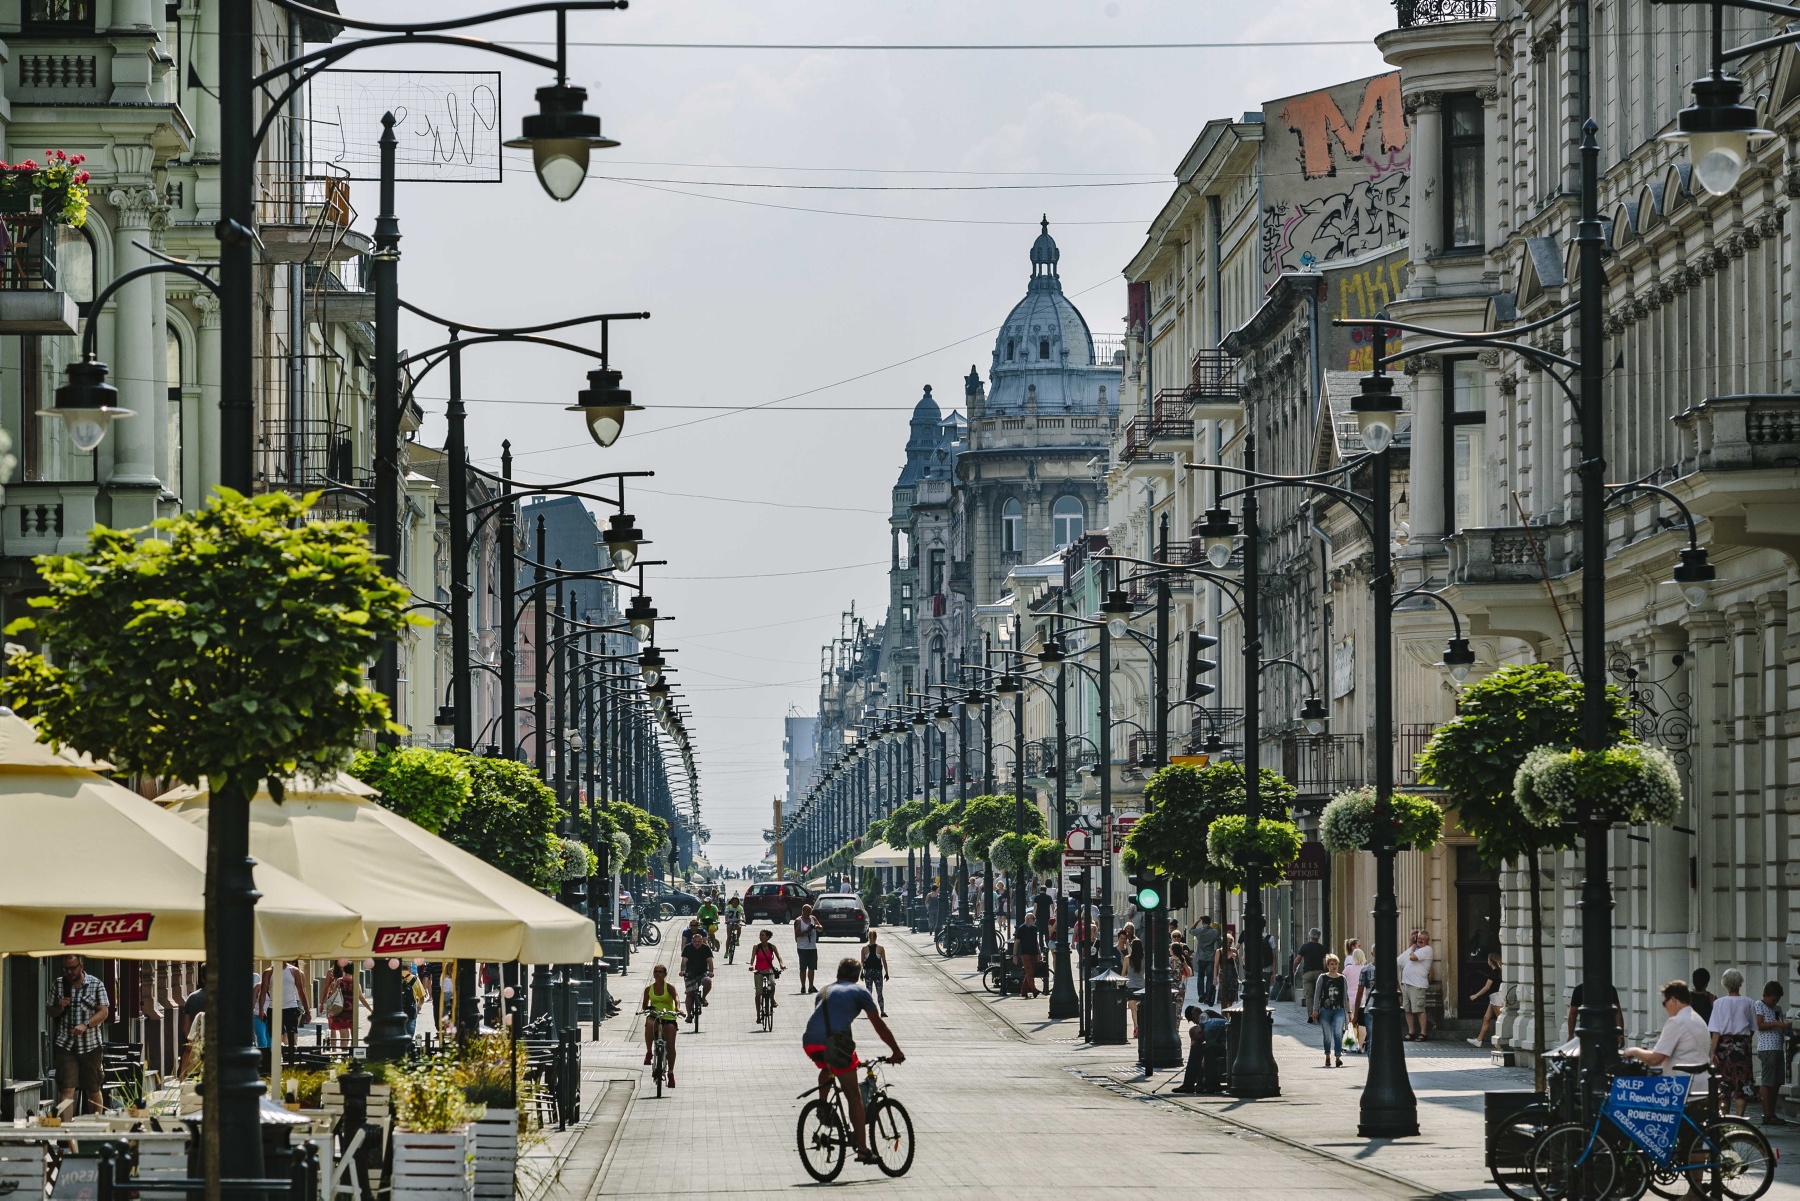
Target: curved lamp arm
x,y
1455,618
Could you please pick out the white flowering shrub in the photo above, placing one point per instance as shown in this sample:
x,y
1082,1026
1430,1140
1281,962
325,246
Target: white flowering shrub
x,y
1627,782
1352,821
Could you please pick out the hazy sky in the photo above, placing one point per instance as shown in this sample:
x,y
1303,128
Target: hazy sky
x,y
774,520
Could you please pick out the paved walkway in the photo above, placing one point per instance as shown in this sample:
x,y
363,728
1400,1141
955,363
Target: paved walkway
x,y
996,1103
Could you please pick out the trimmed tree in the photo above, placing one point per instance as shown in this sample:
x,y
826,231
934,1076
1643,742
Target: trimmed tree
x,y
428,788
511,821
1476,756
229,644
1182,804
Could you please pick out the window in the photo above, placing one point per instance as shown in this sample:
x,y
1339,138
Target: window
x,y
1066,520
1043,348
1463,151
75,265
936,572
1009,350
58,16
906,617
1012,527
1465,435
906,592
902,549
172,357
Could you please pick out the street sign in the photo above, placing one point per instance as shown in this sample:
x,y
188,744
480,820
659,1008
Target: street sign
x,y
1122,823
1078,840
1081,859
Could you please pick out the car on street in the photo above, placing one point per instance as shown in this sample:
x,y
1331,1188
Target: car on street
x,y
685,904
774,901
841,917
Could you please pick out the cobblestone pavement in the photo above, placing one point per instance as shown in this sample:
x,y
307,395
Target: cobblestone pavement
x,y
998,1102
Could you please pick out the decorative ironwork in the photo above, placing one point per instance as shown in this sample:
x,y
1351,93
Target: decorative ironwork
x,y
1658,711
1414,13
1322,765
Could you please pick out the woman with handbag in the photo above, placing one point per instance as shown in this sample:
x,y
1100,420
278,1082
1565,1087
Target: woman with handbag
x,y
831,1045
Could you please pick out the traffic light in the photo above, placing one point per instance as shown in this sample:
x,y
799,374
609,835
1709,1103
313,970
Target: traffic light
x,y
1198,666
1148,891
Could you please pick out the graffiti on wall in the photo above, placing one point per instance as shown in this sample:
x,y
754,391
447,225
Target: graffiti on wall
x,y
1334,188
1357,290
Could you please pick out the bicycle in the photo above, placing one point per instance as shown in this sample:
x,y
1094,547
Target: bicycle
x,y
659,1055
696,1000
1649,1114
825,1134
645,933
732,934
765,1000
956,938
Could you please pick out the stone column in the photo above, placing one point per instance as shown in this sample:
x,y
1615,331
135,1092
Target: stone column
x,y
205,451
137,348
1427,239
1426,514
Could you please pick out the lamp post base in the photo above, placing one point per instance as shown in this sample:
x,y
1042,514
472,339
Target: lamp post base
x,y
1065,1002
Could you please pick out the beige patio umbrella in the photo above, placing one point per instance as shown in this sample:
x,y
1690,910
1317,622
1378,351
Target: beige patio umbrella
x,y
420,897
94,867
881,855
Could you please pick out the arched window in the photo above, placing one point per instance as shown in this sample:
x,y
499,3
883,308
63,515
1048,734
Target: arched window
x,y
1043,348
1012,526
1009,350
1067,520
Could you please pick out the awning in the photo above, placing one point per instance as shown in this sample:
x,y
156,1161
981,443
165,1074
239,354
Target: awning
x,y
420,897
882,855
94,867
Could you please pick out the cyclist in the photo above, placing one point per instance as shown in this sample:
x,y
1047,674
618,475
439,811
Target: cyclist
x,y
875,971
834,1013
765,961
734,922
709,917
697,965
663,1003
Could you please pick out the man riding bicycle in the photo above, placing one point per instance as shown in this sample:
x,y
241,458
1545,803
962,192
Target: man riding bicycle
x,y
697,965
709,918
828,1044
663,1003
765,961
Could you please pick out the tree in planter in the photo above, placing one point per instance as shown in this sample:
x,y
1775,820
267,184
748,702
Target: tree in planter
x,y
899,830
230,646
646,832
1232,847
986,818
1355,821
1476,757
428,788
1182,804
942,816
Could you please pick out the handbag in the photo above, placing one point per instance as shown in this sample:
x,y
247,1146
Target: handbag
x,y
840,1045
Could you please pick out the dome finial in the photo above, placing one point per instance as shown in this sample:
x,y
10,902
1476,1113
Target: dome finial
x,y
1044,253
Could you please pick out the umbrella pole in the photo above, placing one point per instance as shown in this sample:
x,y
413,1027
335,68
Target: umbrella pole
x,y
512,1038
273,995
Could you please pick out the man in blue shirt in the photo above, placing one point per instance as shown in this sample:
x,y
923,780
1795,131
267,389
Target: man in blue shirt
x,y
835,1012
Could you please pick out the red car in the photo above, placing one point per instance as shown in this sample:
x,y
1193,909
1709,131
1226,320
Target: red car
x,y
774,901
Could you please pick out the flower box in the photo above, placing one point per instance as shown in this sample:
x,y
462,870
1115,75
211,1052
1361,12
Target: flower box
x,y
496,1154
433,1167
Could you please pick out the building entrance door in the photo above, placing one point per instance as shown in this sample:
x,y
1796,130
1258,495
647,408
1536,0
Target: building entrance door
x,y
1477,928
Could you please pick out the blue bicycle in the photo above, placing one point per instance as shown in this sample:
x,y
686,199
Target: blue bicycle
x,y
1645,1139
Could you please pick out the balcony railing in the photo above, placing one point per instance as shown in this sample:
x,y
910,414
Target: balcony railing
x,y
1414,13
304,456
1740,433
28,247
1213,377
1320,766
1508,554
1408,743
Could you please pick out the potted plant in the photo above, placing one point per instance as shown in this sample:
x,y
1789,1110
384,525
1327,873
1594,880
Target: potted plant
x,y
1233,847
434,1144
1625,782
57,188
488,1078
1354,821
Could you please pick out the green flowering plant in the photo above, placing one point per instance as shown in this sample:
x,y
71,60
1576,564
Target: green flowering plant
x,y
900,823
575,861
428,1096
1231,846
950,841
1625,782
428,788
1046,857
878,831
1011,852
60,181
1354,821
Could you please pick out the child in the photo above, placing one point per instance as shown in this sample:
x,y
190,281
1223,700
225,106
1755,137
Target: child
x,y
1771,1060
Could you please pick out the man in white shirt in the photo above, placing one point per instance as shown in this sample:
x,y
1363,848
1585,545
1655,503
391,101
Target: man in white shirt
x,y
1685,1041
1415,978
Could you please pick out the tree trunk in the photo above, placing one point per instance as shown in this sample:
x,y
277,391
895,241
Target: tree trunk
x,y
1539,1012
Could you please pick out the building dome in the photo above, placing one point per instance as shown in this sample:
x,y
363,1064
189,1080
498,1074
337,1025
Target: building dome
x,y
1044,329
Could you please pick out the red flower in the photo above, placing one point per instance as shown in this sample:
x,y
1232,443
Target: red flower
x,y
81,177
28,165
78,158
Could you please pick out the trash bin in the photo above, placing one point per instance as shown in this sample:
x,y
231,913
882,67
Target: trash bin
x,y
1108,995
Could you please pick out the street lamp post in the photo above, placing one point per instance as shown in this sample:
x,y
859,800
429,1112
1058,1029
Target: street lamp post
x,y
1065,1002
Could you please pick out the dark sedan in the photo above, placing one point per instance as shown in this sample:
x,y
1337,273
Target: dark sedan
x,y
842,917
685,904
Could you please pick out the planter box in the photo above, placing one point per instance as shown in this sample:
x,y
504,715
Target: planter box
x,y
496,1154
433,1167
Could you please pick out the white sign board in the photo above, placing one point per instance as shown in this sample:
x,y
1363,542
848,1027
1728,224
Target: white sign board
x,y
448,124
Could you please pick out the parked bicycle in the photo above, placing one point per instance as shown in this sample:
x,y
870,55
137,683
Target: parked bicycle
x,y
826,1137
957,937
1645,1139
646,933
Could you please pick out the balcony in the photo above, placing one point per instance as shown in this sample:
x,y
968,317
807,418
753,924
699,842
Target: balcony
x,y
1750,432
1154,436
1408,743
307,456
1509,554
1415,13
1212,391
306,219
1320,766
29,300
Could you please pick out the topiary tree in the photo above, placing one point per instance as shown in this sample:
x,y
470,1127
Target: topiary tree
x,y
1476,756
229,644
900,821
1182,803
511,821
986,818
645,831
426,787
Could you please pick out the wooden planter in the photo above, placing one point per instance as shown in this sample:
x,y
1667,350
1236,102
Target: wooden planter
x,y
433,1167
496,1154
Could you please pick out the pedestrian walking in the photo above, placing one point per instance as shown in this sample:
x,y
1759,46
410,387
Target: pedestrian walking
x,y
1181,961
1225,971
1309,961
412,992
806,948
1028,948
1772,1025
1490,988
1732,1025
1415,979
340,1003
1365,988
295,989
1134,979
1329,1000
1702,999
1204,938
875,970
1122,942
79,1008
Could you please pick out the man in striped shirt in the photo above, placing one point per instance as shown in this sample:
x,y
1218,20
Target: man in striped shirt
x,y
79,1008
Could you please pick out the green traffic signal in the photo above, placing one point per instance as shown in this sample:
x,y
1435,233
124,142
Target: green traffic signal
x,y
1149,898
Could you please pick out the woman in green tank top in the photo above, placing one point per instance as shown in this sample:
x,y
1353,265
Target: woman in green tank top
x,y
663,1003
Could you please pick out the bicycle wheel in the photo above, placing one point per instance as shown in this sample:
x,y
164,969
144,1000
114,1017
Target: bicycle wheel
x,y
659,1063
991,979
1569,1163
891,1136
1509,1154
1633,1178
822,1140
1737,1160
652,935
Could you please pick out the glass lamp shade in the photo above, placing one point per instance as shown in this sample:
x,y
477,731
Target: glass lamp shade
x,y
1118,627
604,404
1718,131
942,719
641,615
1459,659
86,405
1693,573
1219,551
559,136
1313,715
1377,429
622,541
918,722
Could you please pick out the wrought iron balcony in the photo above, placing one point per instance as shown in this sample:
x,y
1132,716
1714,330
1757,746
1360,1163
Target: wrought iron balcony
x,y
1414,13
1322,765
1740,433
1212,390
304,456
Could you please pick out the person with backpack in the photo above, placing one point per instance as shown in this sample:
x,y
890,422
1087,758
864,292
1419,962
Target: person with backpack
x,y
831,1045
341,996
